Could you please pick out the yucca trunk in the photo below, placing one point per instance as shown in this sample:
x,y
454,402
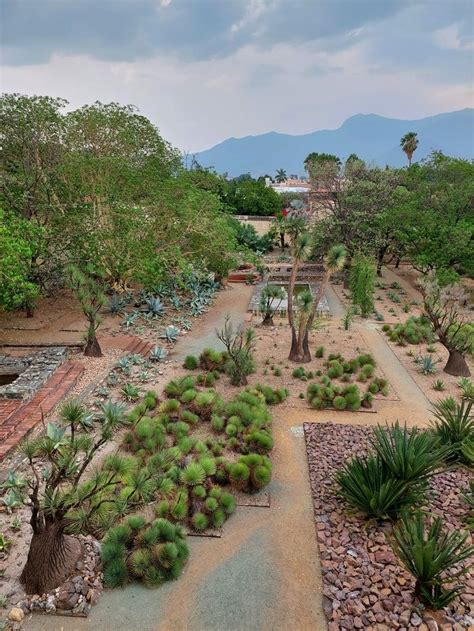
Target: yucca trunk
x,y
51,559
457,365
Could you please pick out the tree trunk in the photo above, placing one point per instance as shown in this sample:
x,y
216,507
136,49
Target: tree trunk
x,y
51,559
397,263
293,356
29,312
268,320
306,351
456,365
93,348
282,240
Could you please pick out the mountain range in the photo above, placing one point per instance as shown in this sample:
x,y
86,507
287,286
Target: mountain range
x,y
375,139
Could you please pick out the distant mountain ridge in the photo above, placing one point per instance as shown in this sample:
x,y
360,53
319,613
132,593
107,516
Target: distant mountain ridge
x,y
373,138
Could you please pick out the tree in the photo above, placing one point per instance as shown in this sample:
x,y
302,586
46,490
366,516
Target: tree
x,y
281,176
270,301
90,294
409,144
59,499
323,170
362,284
300,249
239,344
251,197
16,290
454,332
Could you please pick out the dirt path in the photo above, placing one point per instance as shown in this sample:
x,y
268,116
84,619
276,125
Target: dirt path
x,y
263,574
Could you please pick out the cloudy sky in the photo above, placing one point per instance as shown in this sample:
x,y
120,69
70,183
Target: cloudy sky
x,y
205,70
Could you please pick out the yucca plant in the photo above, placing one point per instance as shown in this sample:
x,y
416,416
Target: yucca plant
x,y
430,555
469,497
439,385
454,426
368,486
410,455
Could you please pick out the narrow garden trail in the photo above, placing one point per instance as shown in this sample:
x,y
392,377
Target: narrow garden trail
x,y
263,573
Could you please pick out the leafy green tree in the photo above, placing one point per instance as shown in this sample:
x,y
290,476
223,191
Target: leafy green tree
x,y
251,197
16,290
362,284
409,144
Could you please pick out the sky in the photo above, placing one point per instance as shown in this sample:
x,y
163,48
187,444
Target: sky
x,y
207,70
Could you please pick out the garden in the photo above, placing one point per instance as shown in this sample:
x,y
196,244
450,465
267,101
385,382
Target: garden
x,y
312,435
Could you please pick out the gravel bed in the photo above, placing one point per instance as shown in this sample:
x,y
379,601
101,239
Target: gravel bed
x,y
365,587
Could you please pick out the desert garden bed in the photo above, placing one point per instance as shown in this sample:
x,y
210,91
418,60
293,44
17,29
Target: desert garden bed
x,y
365,587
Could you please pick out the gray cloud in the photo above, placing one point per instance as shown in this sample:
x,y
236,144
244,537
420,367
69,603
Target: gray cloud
x,y
126,30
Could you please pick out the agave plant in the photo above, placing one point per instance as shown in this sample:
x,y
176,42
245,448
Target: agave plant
x,y
129,320
467,388
454,426
130,392
368,486
170,334
426,364
117,303
157,354
175,301
411,456
430,554
154,306
124,365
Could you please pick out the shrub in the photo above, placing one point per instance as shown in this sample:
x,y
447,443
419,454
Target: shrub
x,y
335,369
319,351
439,385
413,331
191,362
431,556
200,522
298,372
362,284
272,397
353,401
277,372
467,388
339,403
153,553
454,426
368,486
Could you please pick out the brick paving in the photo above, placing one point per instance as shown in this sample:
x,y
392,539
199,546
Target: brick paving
x,y
17,418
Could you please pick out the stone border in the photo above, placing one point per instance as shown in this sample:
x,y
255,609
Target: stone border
x,y
34,371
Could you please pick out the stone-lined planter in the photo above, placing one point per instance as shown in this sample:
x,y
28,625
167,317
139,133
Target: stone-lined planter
x,y
33,371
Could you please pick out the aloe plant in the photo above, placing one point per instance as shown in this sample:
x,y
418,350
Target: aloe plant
x,y
170,334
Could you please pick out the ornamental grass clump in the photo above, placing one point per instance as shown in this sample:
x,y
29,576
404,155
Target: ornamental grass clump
x,y
433,556
150,552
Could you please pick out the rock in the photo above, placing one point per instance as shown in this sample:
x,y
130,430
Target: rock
x,y
415,619
405,617
16,614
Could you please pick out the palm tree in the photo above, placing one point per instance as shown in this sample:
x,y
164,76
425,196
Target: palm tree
x,y
281,176
409,143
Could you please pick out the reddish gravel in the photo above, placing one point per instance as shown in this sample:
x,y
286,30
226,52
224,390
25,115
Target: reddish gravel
x,y
364,585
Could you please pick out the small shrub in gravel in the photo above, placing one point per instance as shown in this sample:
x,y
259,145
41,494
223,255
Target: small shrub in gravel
x,y
430,554
191,362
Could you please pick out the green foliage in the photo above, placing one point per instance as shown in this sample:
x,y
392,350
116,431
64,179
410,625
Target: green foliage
x,y
252,197
454,426
153,552
467,388
426,364
362,284
413,331
191,362
432,556
319,351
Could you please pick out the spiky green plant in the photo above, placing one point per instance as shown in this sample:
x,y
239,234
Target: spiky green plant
x,y
430,555
191,362
454,426
193,474
368,486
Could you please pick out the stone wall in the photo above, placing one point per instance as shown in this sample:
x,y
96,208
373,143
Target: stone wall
x,y
33,371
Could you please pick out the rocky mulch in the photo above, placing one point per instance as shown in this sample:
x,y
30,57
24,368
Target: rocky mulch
x,y
365,587
75,596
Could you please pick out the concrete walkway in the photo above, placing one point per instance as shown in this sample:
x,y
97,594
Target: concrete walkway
x,y
263,574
